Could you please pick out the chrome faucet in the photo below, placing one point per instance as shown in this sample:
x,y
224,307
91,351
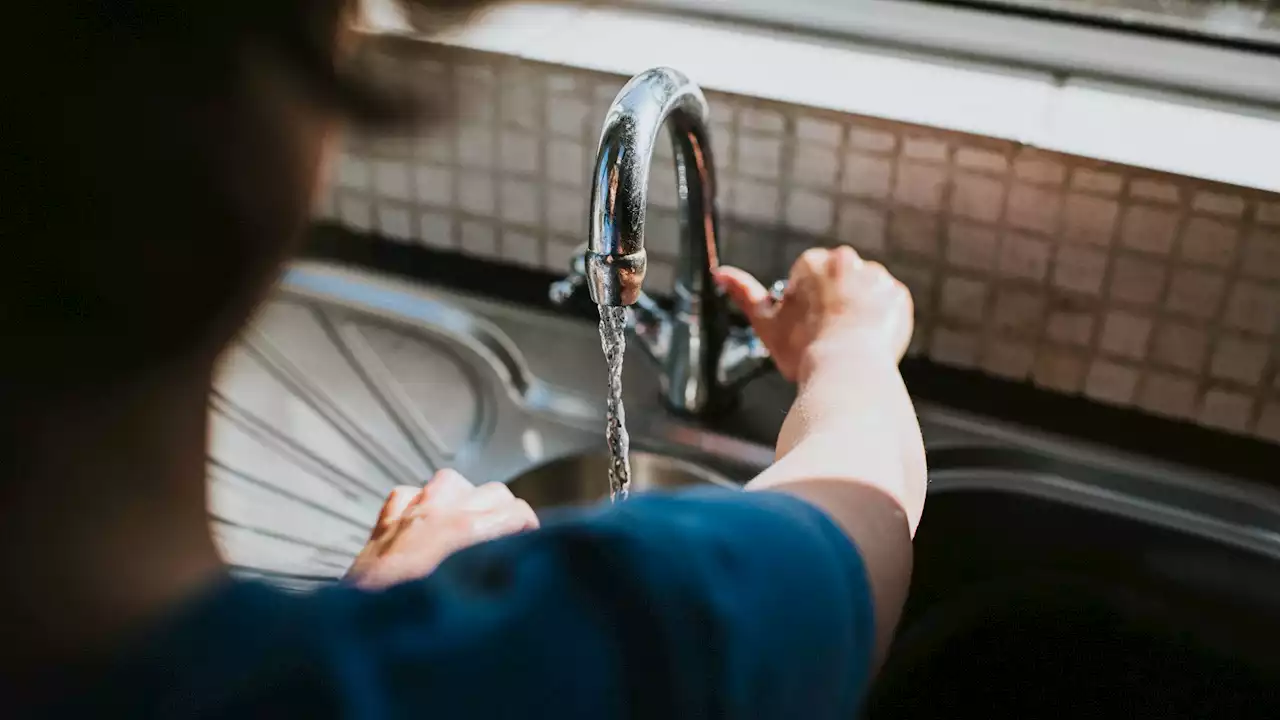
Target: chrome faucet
x,y
704,357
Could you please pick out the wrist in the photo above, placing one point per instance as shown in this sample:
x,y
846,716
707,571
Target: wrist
x,y
852,354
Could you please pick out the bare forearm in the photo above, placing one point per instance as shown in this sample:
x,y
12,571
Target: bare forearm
x,y
852,418
851,446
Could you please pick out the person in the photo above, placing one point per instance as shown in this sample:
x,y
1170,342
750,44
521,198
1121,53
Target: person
x,y
166,155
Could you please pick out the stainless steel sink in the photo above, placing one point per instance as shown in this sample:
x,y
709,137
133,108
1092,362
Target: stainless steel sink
x,y
582,479
352,383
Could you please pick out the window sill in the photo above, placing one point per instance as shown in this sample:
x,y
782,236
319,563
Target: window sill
x,y
1169,131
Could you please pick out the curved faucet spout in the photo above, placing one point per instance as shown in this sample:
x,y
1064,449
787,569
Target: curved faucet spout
x,y
615,257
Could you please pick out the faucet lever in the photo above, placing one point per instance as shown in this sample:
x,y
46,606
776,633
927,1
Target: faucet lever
x,y
561,290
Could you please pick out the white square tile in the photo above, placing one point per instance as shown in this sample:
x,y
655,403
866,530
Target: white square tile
x,y
927,149
1195,293
759,156
521,203
1209,242
567,213
723,141
1262,255
1059,369
1032,208
558,254
479,239
1137,280
1149,229
764,120
1226,410
867,176
952,347
662,232
393,221
353,172
1019,313
518,152
872,140
663,190
1268,427
810,211
434,185
1126,335
964,299
982,160
920,186
1155,190
521,248
562,83
1215,203
475,147
1070,327
569,117
1268,213
567,163
755,201
1008,359
1253,307
1097,181
1179,346
391,179
977,197
476,193
723,110
1089,219
863,226
971,246
819,131
916,233
920,279
520,100
1111,382
815,166
1079,269
1039,170
355,211
1239,359
436,145
1024,257
1168,394
435,229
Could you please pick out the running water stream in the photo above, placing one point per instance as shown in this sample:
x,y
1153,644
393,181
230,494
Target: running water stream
x,y
613,339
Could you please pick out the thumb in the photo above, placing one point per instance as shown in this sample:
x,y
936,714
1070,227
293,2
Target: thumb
x,y
745,291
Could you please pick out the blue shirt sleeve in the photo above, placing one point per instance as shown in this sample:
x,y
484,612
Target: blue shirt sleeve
x,y
708,604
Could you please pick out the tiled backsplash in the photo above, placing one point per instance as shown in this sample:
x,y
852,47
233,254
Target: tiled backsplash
x,y
1150,291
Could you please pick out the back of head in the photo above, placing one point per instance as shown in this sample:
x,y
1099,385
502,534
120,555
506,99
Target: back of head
x,y
163,161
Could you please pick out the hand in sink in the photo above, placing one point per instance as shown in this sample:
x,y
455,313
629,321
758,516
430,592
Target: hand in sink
x,y
419,527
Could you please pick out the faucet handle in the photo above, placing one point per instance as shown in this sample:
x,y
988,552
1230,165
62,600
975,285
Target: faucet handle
x,y
561,290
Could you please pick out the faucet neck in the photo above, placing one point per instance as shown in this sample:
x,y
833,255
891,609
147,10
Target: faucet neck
x,y
615,258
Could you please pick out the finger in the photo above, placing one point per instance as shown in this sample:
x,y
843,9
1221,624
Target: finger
x,y
446,487
394,508
499,523
746,293
490,496
742,287
845,261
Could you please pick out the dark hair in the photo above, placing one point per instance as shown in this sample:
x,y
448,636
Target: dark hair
x,y
161,171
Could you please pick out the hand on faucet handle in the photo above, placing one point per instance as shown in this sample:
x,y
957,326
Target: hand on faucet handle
x,y
834,301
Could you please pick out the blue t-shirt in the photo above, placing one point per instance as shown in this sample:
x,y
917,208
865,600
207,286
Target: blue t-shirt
x,y
698,605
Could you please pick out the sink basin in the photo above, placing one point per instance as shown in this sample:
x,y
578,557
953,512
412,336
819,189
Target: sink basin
x,y
584,479
1025,607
